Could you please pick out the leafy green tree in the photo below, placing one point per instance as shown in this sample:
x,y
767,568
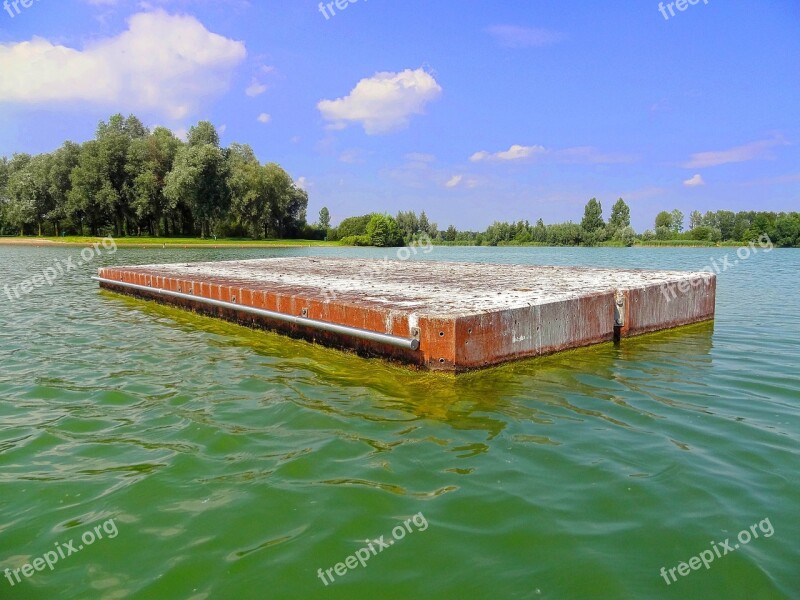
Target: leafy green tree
x,y
150,159
325,218
353,226
64,161
705,233
199,178
620,216
293,218
29,194
426,227
695,219
383,231
249,188
664,219
539,233
408,222
593,216
677,221
664,233
565,234
283,199
102,185
726,223
450,234
627,236
204,133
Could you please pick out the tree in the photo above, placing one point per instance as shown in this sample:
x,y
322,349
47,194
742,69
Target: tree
x,y
382,231
293,218
249,189
64,161
695,219
450,234
29,196
664,233
539,233
203,133
324,218
677,221
102,183
283,198
620,216
425,227
663,219
627,236
199,177
150,160
593,216
408,222
726,223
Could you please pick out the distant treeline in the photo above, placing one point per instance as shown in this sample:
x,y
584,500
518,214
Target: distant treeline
x,y
723,227
132,181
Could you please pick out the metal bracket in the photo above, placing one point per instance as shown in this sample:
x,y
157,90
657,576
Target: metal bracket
x,y
619,309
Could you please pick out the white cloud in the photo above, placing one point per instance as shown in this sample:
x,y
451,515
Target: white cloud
x,y
303,183
694,181
255,88
454,181
758,150
515,152
575,155
165,63
383,103
264,118
513,36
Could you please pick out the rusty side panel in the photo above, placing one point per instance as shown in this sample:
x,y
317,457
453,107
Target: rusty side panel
x,y
437,343
353,316
492,338
659,307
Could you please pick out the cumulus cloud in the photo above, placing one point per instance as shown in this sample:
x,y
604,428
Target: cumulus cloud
x,y
694,181
515,152
383,103
164,63
575,155
256,88
758,150
264,118
454,181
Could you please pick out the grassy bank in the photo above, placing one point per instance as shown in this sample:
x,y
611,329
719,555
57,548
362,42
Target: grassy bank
x,y
142,242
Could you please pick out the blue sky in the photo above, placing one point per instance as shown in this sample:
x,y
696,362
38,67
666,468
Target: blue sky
x,y
474,111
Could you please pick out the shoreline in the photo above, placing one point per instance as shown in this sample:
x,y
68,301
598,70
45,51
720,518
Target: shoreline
x,y
242,245
46,242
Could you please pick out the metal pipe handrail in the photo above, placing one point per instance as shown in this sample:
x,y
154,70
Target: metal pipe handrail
x,y
363,334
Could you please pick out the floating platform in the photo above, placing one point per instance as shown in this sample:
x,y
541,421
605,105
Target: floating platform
x,y
446,316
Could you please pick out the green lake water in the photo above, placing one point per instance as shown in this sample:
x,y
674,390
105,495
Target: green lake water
x,y
231,463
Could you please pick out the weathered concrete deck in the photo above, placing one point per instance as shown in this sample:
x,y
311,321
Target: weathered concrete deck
x,y
440,315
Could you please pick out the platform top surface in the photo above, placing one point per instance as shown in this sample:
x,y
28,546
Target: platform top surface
x,y
421,286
